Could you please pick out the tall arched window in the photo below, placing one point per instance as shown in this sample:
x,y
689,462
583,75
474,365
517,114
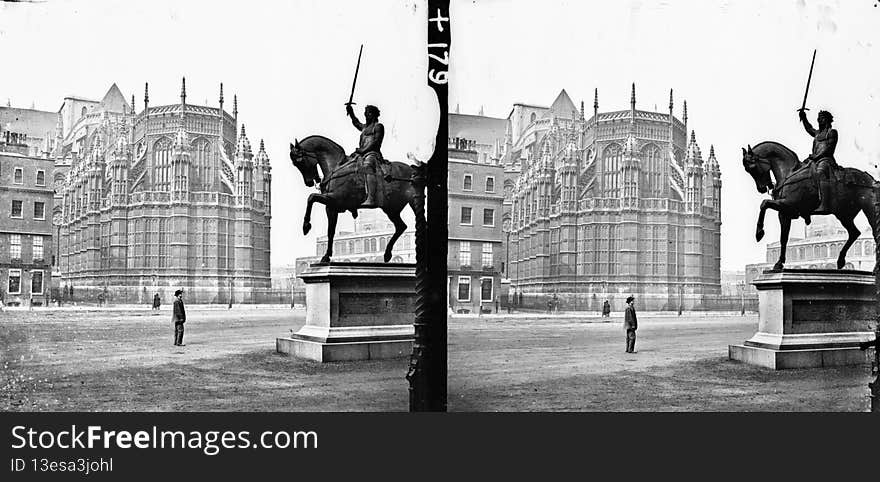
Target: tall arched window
x,y
653,171
202,164
532,118
611,159
162,164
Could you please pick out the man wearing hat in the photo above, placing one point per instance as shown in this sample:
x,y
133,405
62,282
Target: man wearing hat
x,y
630,323
178,316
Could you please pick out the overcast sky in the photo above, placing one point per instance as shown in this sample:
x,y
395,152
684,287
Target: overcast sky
x,y
291,64
742,66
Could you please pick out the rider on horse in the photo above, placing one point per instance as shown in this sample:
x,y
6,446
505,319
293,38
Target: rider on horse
x,y
824,142
368,153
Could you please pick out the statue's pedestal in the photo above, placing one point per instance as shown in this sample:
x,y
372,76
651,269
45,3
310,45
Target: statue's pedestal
x,y
810,318
355,311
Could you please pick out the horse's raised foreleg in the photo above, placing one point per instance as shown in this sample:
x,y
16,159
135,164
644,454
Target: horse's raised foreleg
x,y
307,219
399,228
332,215
853,233
759,232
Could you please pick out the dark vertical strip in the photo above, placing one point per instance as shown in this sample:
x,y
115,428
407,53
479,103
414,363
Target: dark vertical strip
x,y
874,388
427,372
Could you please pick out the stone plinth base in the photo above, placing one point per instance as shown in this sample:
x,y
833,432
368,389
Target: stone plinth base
x,y
330,352
810,319
782,359
355,311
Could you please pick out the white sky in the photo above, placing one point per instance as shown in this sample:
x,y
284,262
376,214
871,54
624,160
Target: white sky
x,y
741,65
291,64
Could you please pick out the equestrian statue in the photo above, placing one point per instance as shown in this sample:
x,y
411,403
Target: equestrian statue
x,y
816,186
349,183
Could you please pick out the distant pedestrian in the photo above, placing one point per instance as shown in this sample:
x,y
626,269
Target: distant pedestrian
x,y
631,324
549,306
157,301
178,316
743,311
31,303
555,303
606,309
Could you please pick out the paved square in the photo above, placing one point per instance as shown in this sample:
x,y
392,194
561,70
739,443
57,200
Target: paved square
x,y
570,362
123,360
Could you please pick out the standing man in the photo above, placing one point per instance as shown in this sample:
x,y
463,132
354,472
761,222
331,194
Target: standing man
x,y
631,324
178,316
368,153
824,143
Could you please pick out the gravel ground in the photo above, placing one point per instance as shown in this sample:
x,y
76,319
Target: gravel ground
x,y
123,360
578,363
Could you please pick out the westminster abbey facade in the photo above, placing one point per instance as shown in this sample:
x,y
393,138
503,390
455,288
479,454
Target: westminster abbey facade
x,y
609,205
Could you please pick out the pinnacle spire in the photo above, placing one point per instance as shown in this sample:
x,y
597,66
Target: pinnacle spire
x,y
132,104
685,117
670,100
711,150
183,90
221,95
596,98
146,94
235,105
632,98
693,136
582,109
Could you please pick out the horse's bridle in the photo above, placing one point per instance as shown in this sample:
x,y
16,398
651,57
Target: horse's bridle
x,y
322,183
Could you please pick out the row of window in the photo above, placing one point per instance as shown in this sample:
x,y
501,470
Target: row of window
x,y
18,177
36,247
467,217
14,283
464,254
468,183
18,208
464,289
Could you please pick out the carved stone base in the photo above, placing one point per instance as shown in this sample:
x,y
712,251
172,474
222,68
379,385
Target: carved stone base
x,y
355,311
810,318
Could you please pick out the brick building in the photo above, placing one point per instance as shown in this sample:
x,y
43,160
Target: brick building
x,y
26,197
476,255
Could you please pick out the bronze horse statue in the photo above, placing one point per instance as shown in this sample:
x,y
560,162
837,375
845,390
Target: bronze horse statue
x,y
794,194
342,187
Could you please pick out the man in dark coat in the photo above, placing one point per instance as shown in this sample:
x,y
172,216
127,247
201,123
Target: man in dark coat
x,y
178,316
631,324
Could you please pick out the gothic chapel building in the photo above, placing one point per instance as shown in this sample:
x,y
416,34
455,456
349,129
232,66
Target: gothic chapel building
x,y
169,197
610,205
